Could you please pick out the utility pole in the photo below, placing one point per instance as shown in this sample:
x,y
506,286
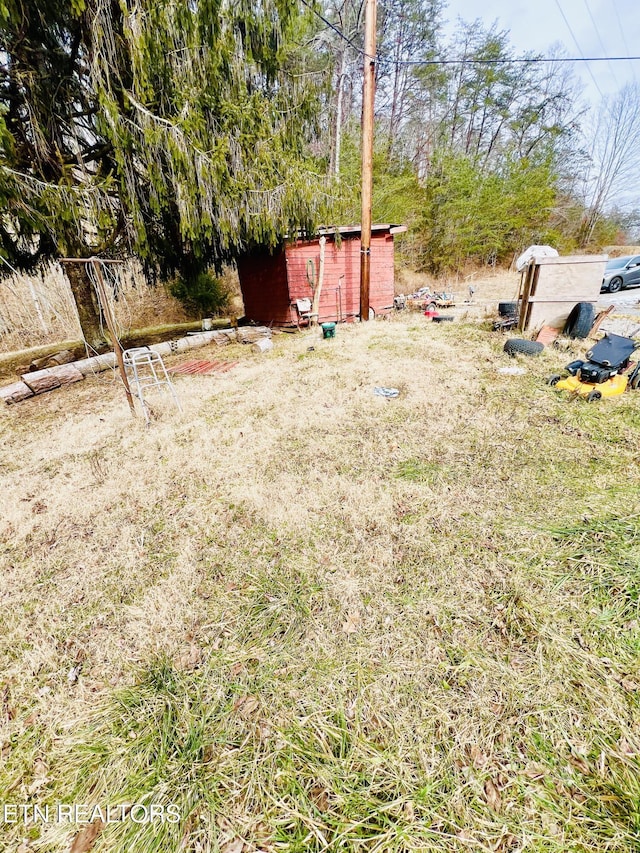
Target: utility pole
x,y
368,99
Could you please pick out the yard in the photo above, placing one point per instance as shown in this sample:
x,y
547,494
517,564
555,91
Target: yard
x,y
302,617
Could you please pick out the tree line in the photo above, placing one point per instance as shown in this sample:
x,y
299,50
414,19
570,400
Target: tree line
x,y
190,131
483,152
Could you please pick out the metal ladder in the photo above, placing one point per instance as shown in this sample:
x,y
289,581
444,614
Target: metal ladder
x,y
146,369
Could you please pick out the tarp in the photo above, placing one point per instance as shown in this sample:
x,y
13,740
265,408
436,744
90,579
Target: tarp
x,y
535,252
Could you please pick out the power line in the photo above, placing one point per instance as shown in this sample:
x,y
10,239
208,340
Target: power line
x,y
471,61
624,38
564,18
604,50
333,27
530,59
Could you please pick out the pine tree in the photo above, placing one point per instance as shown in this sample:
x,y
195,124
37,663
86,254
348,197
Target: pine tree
x,y
170,128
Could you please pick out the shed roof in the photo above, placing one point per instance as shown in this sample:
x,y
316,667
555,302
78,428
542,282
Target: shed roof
x,y
346,230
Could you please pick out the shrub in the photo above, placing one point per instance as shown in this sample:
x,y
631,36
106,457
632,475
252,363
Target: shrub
x,y
202,294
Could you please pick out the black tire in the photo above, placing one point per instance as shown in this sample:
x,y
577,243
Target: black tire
x,y
615,285
554,379
431,306
634,378
519,345
592,396
580,320
508,309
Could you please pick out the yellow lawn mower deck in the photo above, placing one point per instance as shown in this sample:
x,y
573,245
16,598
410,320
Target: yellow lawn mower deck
x,y
604,373
611,388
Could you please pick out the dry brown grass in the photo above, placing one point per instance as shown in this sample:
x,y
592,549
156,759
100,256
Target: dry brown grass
x,y
619,251
319,620
22,325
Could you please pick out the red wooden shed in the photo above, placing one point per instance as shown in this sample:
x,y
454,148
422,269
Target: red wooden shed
x,y
272,283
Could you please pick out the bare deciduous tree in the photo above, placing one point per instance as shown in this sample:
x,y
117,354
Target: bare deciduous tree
x,y
614,161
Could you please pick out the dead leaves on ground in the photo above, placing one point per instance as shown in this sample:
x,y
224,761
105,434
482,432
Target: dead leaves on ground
x,y
492,796
86,838
478,758
235,846
535,771
188,658
40,777
352,624
246,706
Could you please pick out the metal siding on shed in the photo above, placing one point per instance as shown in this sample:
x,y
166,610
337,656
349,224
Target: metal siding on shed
x,y
340,297
271,283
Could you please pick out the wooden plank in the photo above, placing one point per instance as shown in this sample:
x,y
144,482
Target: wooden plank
x,y
539,299
572,259
556,285
547,335
570,282
527,288
599,320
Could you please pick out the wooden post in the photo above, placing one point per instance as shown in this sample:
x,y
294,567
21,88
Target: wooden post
x,y
110,321
315,307
368,100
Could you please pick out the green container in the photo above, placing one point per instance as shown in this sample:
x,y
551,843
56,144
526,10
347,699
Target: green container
x,y
328,330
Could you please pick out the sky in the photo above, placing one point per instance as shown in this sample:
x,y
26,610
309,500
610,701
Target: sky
x,y
600,28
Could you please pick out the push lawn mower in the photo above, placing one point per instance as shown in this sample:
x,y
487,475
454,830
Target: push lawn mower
x,y
604,372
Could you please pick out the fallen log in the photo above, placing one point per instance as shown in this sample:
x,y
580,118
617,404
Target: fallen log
x,y
66,374
41,381
46,379
63,357
52,377
251,334
224,338
195,341
15,392
95,364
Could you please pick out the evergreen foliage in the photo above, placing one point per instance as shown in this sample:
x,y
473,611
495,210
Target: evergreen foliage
x,y
203,295
481,215
169,128
56,176
209,131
